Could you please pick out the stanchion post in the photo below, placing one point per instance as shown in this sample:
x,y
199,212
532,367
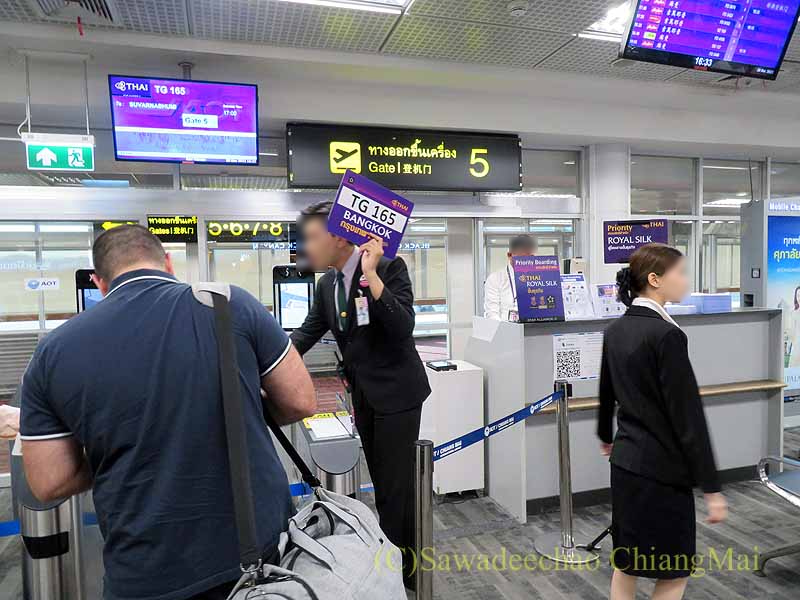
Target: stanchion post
x,y
561,547
564,464
423,514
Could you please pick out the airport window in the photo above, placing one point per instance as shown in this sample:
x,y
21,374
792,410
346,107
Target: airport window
x,y
248,265
728,184
553,237
424,249
65,248
681,236
19,263
784,181
662,185
551,173
720,257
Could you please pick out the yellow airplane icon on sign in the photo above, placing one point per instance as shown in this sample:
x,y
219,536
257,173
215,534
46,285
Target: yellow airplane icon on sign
x,y
344,156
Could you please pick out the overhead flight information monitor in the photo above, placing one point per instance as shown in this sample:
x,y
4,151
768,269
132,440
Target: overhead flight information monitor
x,y
176,120
739,37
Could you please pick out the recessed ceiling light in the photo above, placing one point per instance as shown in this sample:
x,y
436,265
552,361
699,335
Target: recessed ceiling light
x,y
392,7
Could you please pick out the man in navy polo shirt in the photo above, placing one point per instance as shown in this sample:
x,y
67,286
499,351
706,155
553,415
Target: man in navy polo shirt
x,y
134,382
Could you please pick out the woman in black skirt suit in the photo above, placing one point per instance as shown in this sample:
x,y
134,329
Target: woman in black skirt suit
x,y
662,448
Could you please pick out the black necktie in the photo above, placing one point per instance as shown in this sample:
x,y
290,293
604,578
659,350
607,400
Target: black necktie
x,y
341,300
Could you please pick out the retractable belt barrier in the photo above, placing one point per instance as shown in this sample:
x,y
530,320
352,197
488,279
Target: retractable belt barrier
x,y
9,528
473,437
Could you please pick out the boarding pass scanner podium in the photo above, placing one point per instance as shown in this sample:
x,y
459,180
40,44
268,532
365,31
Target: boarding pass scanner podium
x,y
332,444
61,543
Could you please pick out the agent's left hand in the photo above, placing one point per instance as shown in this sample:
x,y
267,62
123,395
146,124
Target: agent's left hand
x,y
371,254
9,422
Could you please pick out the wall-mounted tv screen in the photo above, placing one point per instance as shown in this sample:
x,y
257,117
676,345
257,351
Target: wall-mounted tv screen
x,y
739,37
177,120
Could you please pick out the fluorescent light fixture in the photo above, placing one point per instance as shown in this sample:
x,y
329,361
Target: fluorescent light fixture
x,y
614,20
727,202
17,228
268,154
386,6
552,222
601,36
71,228
569,162
726,168
505,228
429,228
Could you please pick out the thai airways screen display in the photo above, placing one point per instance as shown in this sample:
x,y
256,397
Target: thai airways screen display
x,y
175,120
739,37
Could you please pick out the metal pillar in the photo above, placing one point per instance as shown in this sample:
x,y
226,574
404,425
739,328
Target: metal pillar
x,y
423,514
561,547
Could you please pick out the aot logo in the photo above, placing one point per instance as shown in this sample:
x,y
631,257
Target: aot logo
x,y
42,284
132,86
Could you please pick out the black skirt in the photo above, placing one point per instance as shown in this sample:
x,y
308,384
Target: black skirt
x,y
653,526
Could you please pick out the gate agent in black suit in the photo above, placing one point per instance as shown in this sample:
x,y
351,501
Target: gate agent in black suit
x,y
380,359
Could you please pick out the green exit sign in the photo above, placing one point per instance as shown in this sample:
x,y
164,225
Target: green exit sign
x,y
59,152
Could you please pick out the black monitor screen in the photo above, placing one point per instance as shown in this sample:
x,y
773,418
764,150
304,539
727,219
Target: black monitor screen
x,y
739,37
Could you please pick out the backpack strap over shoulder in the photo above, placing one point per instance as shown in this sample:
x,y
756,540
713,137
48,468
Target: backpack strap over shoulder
x,y
203,291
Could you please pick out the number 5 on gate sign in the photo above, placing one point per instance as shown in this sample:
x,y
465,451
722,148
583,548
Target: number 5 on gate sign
x,y
363,209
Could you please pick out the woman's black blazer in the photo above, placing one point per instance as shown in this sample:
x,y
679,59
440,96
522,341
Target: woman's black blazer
x,y
661,427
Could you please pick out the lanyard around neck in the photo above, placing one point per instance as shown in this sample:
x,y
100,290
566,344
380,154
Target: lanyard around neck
x,y
511,283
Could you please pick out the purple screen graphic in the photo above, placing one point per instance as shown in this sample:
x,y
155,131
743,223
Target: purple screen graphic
x,y
751,33
175,120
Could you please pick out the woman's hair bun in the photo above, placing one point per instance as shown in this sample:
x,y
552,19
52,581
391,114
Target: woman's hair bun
x,y
625,286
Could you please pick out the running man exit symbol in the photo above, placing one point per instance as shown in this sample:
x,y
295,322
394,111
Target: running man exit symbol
x,y
75,158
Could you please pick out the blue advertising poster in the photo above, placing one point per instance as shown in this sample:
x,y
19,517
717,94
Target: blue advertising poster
x,y
538,283
623,238
783,288
363,209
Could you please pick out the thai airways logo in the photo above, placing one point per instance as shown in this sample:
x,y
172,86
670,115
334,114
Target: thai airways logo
x,y
132,86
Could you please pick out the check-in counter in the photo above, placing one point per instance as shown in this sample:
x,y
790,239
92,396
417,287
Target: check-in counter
x,y
738,360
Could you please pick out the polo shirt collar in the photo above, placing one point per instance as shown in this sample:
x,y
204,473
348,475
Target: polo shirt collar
x,y
139,275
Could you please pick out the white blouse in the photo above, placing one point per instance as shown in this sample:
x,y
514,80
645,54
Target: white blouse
x,y
653,305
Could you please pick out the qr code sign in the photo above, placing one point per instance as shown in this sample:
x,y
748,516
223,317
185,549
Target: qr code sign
x,y
568,364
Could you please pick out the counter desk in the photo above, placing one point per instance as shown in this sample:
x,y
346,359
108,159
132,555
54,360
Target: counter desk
x,y
737,358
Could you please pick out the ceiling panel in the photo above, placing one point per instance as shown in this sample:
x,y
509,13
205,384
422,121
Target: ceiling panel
x,y
470,42
17,10
595,57
163,17
290,24
568,16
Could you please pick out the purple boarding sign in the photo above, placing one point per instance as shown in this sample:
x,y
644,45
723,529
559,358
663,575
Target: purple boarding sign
x,y
363,209
623,238
538,283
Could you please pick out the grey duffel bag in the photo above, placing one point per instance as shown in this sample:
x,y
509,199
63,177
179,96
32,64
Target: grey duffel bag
x,y
333,549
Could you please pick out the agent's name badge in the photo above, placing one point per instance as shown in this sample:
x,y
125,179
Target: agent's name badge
x,y
362,311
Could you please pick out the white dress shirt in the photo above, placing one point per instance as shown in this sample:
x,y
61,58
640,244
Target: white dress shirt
x,y
499,295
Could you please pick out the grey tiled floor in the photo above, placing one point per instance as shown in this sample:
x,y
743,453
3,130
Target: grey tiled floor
x,y
478,527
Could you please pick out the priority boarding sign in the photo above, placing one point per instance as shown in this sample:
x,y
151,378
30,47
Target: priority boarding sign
x,y
363,210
